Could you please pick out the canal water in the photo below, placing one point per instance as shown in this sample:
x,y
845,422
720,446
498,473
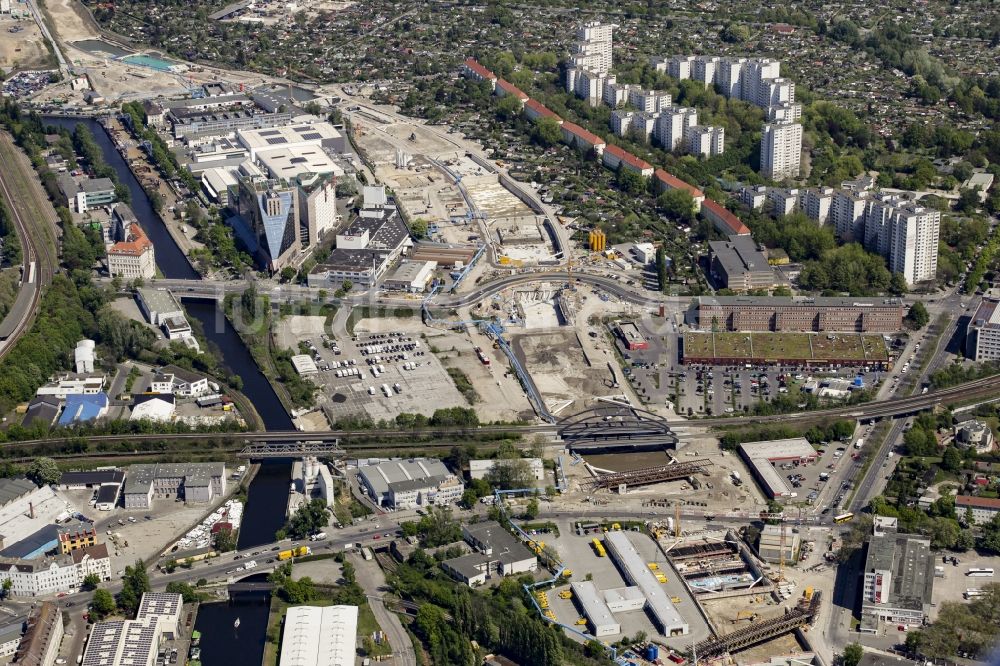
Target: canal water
x,y
222,644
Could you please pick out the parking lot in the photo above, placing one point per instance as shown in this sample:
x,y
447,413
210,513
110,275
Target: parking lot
x,y
577,553
380,375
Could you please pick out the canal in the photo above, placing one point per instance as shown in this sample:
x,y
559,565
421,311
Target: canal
x,y
222,643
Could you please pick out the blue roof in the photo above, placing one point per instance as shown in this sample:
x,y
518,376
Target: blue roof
x,y
82,408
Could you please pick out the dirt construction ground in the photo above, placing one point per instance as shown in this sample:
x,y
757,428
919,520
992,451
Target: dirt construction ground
x,y
24,48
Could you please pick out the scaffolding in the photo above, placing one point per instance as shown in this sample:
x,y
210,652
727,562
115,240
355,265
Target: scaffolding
x,y
760,631
648,475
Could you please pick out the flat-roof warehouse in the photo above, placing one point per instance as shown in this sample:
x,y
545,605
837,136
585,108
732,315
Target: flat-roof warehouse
x,y
761,456
635,570
601,621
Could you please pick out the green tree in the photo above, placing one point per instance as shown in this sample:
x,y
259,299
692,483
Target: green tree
x,y
225,540
853,654
43,471
419,228
135,583
531,510
951,460
91,581
677,204
187,592
918,317
102,605
311,517
547,132
288,274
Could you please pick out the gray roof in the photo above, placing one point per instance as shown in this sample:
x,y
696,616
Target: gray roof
x,y
909,559
385,232
786,301
504,545
42,409
159,300
140,477
97,185
381,475
11,489
12,629
470,565
220,100
92,477
187,376
739,254
40,539
351,260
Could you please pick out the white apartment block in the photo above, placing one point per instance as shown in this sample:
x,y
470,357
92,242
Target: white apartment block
x,y
672,124
784,111
704,69
781,150
621,122
847,215
729,77
914,250
706,140
783,202
615,94
679,67
42,576
753,197
594,47
643,124
650,101
816,203
983,508
878,218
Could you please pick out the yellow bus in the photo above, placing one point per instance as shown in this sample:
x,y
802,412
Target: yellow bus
x,y
843,518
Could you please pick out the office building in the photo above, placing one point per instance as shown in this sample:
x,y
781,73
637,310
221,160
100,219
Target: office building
x,y
984,509
319,636
666,618
317,207
82,194
194,126
781,150
898,577
497,553
762,457
786,314
132,257
672,126
90,383
740,265
706,140
816,202
405,484
136,642
982,338
267,220
40,644
192,482
52,575
158,305
364,250
770,548
179,381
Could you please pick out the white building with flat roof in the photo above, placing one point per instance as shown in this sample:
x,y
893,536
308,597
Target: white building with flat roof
x,y
666,618
295,137
761,457
781,150
478,469
319,636
600,620
405,484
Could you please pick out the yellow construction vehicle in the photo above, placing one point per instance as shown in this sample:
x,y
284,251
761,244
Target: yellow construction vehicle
x,y
615,526
653,566
661,578
581,622
807,594
565,594
675,600
567,573
745,615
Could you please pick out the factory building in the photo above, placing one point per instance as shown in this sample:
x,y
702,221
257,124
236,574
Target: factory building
x,y
136,642
497,553
319,636
405,484
192,482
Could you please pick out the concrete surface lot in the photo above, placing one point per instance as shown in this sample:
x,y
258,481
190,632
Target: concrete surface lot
x,y
956,582
578,555
365,393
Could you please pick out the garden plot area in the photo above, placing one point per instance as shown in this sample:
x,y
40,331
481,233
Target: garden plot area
x,y
727,348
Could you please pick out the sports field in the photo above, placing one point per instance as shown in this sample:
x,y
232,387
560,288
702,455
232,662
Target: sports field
x,y
785,347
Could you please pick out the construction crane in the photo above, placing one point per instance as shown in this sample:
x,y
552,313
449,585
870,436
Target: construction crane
x,y
677,519
781,553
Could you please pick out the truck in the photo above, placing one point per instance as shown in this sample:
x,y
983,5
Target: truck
x,y
298,551
285,555
318,536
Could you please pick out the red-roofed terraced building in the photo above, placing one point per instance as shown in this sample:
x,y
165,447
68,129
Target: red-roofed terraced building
x,y
614,156
505,88
577,137
983,508
667,181
536,110
472,69
723,220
